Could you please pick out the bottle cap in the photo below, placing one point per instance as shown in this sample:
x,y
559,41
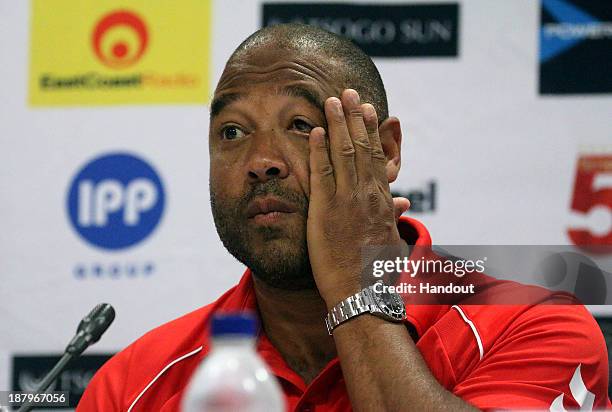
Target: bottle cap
x,y
243,324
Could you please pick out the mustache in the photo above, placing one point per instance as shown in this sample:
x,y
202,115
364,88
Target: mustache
x,y
274,188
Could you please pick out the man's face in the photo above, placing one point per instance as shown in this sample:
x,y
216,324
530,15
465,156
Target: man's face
x,y
262,112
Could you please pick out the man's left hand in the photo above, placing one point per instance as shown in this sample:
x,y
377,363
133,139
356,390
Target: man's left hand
x,y
351,206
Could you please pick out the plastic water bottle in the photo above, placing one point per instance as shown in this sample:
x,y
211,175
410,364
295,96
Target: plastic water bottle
x,y
233,377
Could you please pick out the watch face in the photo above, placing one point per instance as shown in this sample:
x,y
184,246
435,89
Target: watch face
x,y
391,304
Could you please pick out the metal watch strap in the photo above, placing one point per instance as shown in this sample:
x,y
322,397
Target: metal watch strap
x,y
355,305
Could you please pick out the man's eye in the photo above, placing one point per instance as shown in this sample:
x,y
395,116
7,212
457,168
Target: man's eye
x,y
231,133
302,126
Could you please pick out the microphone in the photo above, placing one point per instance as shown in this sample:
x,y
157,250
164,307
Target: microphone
x,y
89,331
91,328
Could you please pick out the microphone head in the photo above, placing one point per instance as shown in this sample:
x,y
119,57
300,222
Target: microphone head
x,y
91,328
101,309
97,321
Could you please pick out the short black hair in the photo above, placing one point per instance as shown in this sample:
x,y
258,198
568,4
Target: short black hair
x,y
359,71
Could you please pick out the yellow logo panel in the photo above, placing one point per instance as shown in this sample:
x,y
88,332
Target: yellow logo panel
x,y
91,52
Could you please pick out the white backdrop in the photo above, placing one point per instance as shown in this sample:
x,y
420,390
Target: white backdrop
x,y
502,156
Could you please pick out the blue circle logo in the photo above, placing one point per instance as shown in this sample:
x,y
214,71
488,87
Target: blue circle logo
x,y
115,201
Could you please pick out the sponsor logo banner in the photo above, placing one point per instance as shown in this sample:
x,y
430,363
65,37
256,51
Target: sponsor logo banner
x,y
28,371
592,195
119,52
115,201
575,47
422,200
381,30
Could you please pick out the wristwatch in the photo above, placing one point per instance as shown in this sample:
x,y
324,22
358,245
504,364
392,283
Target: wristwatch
x,y
372,299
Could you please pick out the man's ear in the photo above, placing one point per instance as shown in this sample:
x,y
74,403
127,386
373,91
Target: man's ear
x,y
390,134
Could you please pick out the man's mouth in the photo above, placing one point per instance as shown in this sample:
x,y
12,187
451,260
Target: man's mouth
x,y
268,210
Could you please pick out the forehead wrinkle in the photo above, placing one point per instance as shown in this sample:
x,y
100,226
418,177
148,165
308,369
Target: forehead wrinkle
x,y
292,90
298,68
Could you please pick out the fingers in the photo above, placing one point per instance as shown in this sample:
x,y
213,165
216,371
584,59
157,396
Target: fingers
x,y
357,131
342,152
379,160
353,145
322,179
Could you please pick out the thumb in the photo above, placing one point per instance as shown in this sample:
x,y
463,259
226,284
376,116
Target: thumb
x,y
400,205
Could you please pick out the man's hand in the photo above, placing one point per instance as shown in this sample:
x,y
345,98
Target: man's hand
x,y
350,201
400,206
351,207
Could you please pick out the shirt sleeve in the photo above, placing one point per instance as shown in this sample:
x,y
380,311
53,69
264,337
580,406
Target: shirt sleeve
x,y
105,392
552,357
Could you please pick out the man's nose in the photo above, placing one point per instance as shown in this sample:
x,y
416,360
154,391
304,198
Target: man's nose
x,y
266,160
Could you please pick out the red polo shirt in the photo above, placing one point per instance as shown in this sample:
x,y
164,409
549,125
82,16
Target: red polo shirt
x,y
493,356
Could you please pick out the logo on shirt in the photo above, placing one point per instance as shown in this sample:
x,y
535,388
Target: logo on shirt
x,y
580,393
115,201
575,46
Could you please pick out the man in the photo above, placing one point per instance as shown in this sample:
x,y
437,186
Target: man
x,y
300,171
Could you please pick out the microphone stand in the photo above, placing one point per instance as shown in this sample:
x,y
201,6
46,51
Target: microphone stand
x,y
89,331
48,379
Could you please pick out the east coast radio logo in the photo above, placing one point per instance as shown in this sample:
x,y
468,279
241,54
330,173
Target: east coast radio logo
x,y
124,52
120,39
115,201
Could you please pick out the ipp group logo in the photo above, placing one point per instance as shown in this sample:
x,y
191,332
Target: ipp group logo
x,y
115,201
120,39
119,52
575,47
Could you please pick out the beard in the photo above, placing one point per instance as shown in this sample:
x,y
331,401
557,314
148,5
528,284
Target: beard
x,y
278,256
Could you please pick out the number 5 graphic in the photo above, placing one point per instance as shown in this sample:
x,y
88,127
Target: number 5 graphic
x,y
588,195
